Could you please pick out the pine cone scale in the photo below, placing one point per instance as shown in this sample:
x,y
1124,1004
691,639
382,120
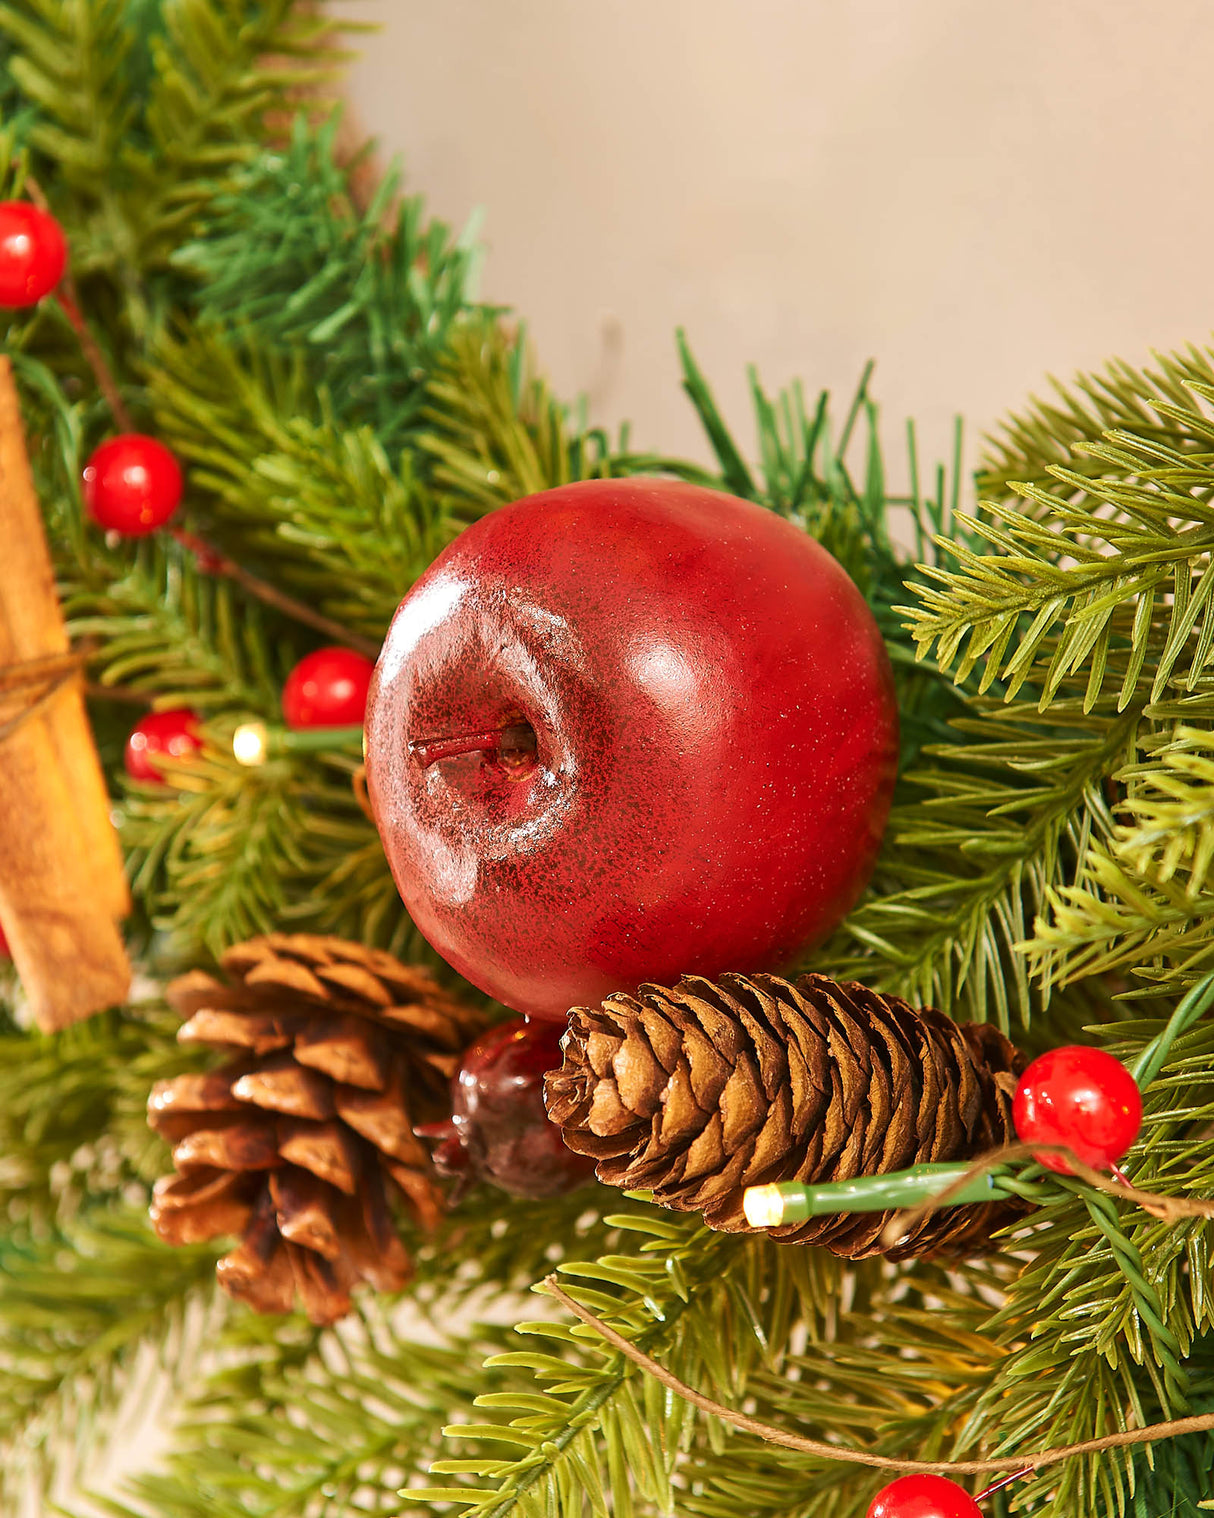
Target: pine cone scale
x,y
245,1144
283,1085
304,1210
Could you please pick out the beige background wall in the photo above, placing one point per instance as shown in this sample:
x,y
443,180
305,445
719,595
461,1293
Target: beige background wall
x,y
974,192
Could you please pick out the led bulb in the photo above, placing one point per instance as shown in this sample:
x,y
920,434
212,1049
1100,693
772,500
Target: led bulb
x,y
763,1206
250,742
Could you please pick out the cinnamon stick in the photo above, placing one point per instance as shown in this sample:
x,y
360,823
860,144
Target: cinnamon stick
x,y
30,610
62,884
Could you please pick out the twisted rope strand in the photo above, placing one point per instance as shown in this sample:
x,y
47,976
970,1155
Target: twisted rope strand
x,y
1022,1464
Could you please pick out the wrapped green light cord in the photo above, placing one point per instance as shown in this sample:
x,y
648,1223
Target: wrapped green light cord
x,y
253,742
794,1201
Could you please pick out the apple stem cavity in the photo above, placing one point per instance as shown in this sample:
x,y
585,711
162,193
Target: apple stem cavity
x,y
512,747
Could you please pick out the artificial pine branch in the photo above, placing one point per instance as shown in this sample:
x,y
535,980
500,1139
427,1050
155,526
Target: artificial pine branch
x,y
997,823
329,1423
1137,537
77,1307
318,505
1154,404
374,293
495,431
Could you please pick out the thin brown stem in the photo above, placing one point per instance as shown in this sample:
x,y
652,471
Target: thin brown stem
x,y
69,304
120,693
102,373
513,745
211,561
1151,1434
428,751
997,1486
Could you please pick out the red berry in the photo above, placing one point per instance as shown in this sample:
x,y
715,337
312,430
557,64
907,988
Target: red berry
x,y
5,951
499,1131
628,730
132,485
1080,1097
33,253
174,733
923,1496
328,689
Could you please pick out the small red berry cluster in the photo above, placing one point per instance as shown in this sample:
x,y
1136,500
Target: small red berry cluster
x,y
132,485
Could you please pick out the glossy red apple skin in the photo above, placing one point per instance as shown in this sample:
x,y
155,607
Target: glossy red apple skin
x,y
716,743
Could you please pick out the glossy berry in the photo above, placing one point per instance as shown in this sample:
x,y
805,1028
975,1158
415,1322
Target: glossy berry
x,y
923,1496
173,733
1080,1097
499,1131
327,689
132,485
33,253
628,730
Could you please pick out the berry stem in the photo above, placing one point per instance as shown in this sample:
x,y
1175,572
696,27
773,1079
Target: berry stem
x,y
997,1486
68,304
212,562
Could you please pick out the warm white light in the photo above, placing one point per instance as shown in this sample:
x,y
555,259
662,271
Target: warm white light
x,y
249,743
763,1206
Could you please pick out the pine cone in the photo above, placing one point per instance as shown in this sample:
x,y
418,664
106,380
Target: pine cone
x,y
698,1092
299,1142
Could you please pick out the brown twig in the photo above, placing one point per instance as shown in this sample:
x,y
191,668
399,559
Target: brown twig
x,y
121,693
106,383
212,562
1151,1434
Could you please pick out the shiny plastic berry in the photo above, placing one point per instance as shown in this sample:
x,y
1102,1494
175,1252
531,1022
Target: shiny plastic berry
x,y
33,253
132,485
173,733
327,688
923,1496
1080,1097
499,1131
628,730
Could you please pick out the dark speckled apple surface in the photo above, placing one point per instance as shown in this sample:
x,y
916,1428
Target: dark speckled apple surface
x,y
715,743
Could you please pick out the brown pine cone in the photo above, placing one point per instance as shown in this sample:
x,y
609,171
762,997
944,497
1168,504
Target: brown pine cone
x,y
300,1142
696,1093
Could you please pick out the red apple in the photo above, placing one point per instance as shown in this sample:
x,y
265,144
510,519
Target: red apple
x,y
627,730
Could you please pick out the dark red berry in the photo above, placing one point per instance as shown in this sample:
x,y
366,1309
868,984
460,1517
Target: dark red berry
x,y
1080,1097
132,485
499,1131
173,733
33,253
327,689
5,951
923,1496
